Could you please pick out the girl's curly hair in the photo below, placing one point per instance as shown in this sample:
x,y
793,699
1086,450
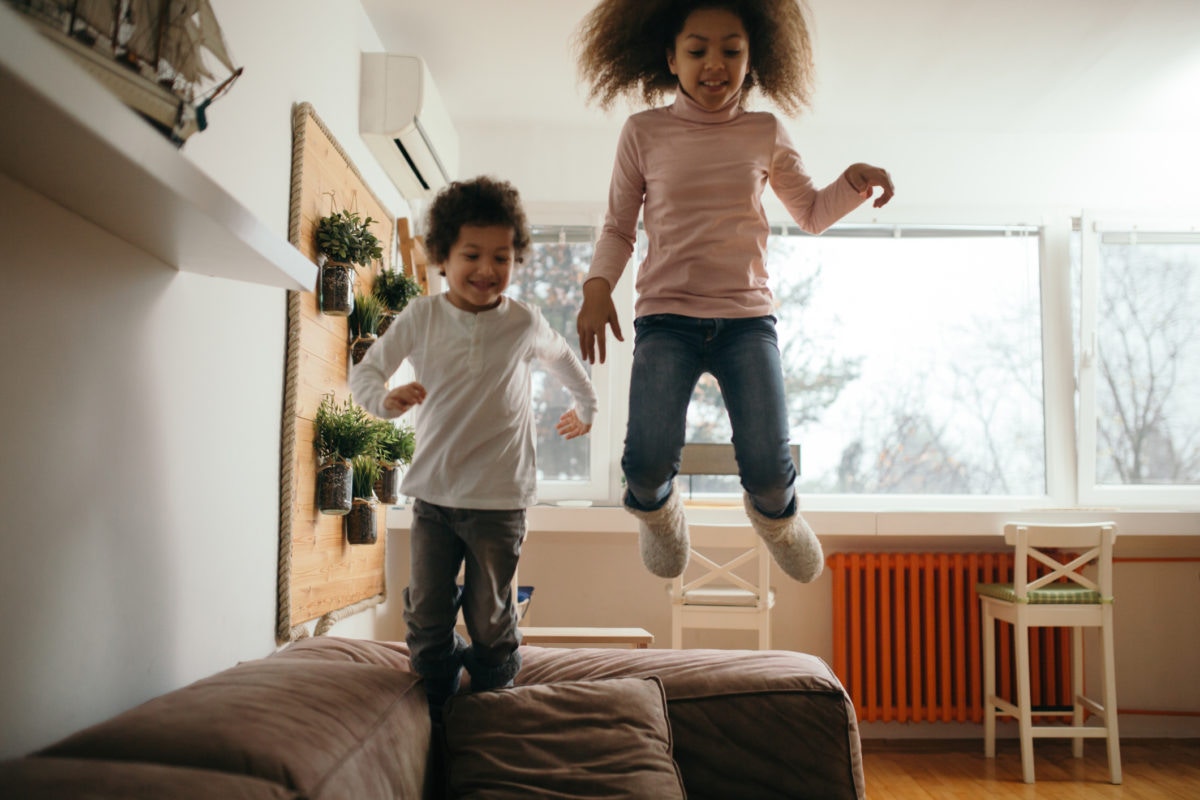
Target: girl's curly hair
x,y
622,46
480,201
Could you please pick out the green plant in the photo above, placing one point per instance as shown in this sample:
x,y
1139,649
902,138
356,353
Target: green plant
x,y
366,472
394,443
364,317
345,236
395,289
342,430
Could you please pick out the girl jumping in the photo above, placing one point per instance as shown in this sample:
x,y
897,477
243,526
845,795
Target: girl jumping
x,y
696,171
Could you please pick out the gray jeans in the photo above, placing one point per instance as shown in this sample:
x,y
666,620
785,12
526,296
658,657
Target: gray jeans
x,y
487,544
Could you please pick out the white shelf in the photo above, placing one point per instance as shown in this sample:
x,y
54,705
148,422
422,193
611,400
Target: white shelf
x,y
67,137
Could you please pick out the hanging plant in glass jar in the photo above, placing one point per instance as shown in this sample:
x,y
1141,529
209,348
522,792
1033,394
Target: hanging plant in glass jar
x,y
344,243
395,444
394,289
363,323
340,432
360,523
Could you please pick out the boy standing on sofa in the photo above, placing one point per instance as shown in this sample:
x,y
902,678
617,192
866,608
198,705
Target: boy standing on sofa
x,y
473,473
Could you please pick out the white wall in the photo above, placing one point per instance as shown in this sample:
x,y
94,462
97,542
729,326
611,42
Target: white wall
x,y
992,177
141,434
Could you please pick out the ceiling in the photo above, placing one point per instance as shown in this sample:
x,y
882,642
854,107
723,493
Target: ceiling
x,y
939,65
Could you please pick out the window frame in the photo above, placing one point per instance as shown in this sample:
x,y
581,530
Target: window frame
x,y
606,436
1068,388
1092,225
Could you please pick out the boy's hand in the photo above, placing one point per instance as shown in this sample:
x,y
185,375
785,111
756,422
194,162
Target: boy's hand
x,y
864,178
402,398
597,311
570,426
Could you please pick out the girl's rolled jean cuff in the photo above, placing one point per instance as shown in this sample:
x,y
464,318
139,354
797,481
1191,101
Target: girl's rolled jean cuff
x,y
790,541
663,537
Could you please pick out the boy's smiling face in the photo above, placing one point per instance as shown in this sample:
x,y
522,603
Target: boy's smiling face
x,y
480,266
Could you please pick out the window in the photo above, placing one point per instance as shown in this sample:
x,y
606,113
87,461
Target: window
x,y
1138,300
912,360
938,367
552,280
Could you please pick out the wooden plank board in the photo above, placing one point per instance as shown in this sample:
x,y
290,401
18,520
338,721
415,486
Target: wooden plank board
x,y
317,378
325,574
332,348
413,255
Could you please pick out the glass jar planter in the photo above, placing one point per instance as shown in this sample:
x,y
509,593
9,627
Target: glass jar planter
x,y
387,488
336,284
360,523
335,487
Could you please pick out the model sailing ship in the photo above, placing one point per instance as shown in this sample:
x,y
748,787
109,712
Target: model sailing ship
x,y
150,53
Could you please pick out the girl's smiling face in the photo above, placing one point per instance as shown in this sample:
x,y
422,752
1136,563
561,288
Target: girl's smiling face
x,y
479,267
711,56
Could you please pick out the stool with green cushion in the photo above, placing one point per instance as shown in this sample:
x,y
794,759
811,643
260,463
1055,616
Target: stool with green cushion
x,y
1062,597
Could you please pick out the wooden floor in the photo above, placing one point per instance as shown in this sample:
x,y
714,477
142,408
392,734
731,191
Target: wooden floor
x,y
1153,769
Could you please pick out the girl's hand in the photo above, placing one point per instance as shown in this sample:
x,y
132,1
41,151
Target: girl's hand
x,y
402,398
864,178
597,311
569,425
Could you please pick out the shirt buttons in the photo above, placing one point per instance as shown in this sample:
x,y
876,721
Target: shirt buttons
x,y
475,357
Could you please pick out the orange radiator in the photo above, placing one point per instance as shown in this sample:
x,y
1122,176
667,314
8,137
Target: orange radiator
x,y
907,637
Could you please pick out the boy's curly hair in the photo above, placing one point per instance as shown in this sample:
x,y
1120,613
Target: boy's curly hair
x,y
622,46
480,201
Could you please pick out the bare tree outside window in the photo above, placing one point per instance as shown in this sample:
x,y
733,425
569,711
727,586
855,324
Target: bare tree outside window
x,y
1148,383
913,363
814,370
552,280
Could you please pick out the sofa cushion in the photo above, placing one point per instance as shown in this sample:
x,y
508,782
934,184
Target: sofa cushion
x,y
358,651
83,779
591,739
324,729
755,725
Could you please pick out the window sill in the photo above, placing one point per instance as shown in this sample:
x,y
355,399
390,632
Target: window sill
x,y
882,524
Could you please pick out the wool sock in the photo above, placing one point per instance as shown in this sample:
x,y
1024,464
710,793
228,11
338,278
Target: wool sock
x,y
663,537
790,541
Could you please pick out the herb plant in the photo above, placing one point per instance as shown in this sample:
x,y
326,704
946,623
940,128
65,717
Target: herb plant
x,y
394,443
366,472
395,288
342,430
364,317
345,236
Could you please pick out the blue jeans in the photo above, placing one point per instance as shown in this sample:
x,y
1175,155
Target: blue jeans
x,y
670,353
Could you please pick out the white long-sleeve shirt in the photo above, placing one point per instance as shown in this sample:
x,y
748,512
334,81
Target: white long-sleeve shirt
x,y
698,176
475,432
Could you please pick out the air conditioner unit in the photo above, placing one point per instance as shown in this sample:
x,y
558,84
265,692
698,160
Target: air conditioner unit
x,y
405,125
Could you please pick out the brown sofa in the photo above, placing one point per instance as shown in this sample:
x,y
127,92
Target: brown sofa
x,y
345,719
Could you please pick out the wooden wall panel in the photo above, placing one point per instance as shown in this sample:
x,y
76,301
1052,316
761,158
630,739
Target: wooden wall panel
x,y
321,577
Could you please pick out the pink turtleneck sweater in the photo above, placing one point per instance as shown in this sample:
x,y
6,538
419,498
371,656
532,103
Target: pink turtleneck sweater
x,y
700,175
